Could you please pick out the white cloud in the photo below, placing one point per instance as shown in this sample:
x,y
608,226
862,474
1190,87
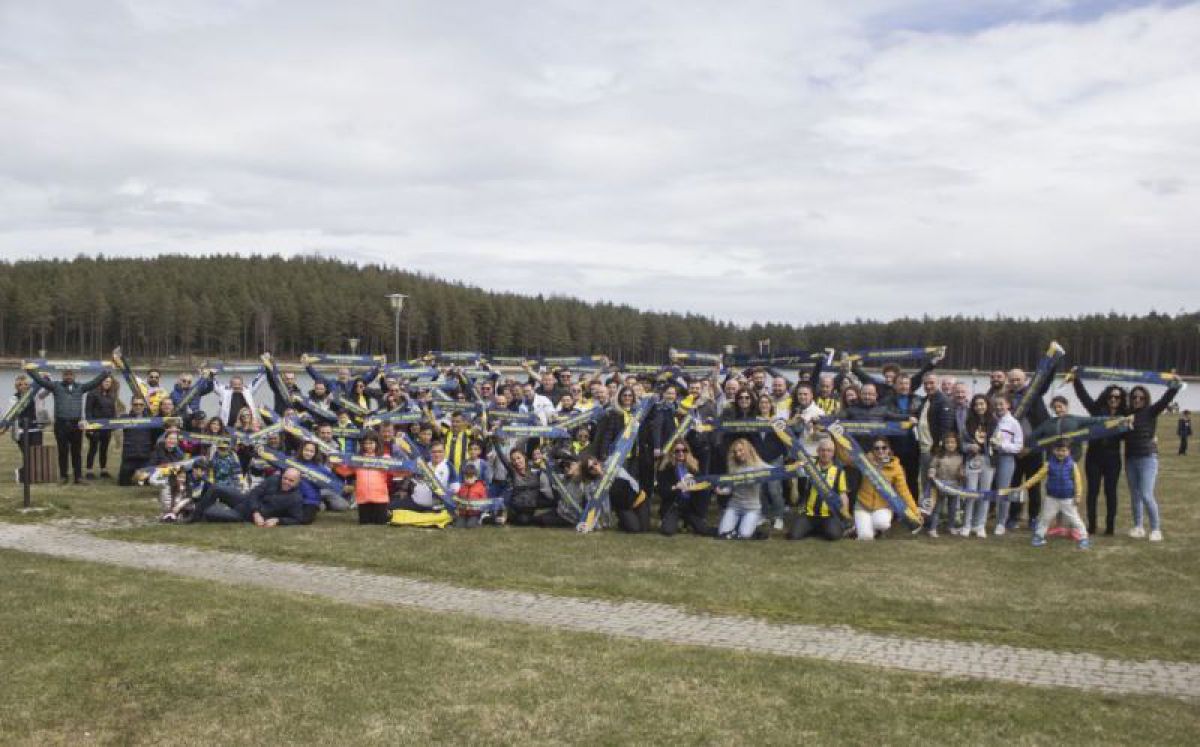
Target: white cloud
x,y
791,162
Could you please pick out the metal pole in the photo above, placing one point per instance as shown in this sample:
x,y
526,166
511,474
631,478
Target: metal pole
x,y
396,344
408,335
25,463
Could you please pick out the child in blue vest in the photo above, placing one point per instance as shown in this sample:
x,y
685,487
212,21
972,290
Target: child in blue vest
x,y
1064,491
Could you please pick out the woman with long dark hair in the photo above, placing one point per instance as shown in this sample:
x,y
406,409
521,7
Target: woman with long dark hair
x,y
1102,465
1141,457
101,403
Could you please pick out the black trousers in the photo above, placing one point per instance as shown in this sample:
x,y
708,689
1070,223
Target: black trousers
x,y
1102,468
373,513
98,444
128,468
636,519
827,527
693,513
70,444
1183,444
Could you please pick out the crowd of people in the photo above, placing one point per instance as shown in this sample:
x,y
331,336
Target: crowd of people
x,y
719,449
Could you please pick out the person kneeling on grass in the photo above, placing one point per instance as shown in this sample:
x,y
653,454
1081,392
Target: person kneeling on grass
x,y
274,502
744,509
1064,491
816,519
873,514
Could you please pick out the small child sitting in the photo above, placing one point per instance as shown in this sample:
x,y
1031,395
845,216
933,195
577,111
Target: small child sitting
x,y
471,500
1064,491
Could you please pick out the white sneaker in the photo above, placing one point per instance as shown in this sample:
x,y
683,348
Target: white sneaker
x,y
981,533
933,534
778,524
999,530
1137,533
1155,536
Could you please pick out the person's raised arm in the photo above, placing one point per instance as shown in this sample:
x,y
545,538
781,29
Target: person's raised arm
x,y
1172,389
1085,398
40,377
916,380
316,375
864,376
371,375
95,380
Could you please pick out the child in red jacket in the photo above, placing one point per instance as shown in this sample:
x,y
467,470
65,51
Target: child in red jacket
x,y
472,499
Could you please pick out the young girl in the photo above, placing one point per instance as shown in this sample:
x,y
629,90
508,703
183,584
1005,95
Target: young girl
x,y
1007,440
744,509
178,490
946,466
979,469
472,498
370,484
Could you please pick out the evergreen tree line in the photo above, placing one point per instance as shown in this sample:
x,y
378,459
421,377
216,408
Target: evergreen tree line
x,y
226,307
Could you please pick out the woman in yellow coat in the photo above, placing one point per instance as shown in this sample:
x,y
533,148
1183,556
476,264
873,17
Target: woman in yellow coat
x,y
872,513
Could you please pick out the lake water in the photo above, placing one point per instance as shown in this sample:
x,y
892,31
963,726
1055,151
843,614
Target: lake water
x,y
1188,400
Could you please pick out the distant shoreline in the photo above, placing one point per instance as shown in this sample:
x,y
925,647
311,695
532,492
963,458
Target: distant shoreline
x,y
176,364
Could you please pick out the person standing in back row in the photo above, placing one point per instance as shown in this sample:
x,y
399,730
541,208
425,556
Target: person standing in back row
x,y
1184,430
68,410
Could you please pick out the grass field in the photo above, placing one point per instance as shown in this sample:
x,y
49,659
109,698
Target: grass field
x,y
95,654
119,632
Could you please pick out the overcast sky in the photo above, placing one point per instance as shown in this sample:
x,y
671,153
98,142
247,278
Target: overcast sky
x,y
789,161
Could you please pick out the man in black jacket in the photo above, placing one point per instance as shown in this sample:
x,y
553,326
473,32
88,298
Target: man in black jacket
x,y
68,410
273,502
1030,459
137,444
935,418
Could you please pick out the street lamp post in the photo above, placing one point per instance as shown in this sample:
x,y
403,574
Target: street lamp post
x,y
397,300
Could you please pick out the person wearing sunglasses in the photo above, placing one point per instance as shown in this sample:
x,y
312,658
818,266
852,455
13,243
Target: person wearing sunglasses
x,y
872,513
1102,465
1141,457
675,468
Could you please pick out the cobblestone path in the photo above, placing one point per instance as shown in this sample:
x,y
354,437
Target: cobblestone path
x,y
640,620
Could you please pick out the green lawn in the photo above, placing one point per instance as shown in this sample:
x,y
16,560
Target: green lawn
x,y
1126,598
97,654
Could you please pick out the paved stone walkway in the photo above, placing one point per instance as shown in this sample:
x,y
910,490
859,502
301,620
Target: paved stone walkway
x,y
640,620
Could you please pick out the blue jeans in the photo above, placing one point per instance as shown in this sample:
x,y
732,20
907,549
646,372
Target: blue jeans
x,y
739,521
1006,465
772,497
975,511
1141,473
